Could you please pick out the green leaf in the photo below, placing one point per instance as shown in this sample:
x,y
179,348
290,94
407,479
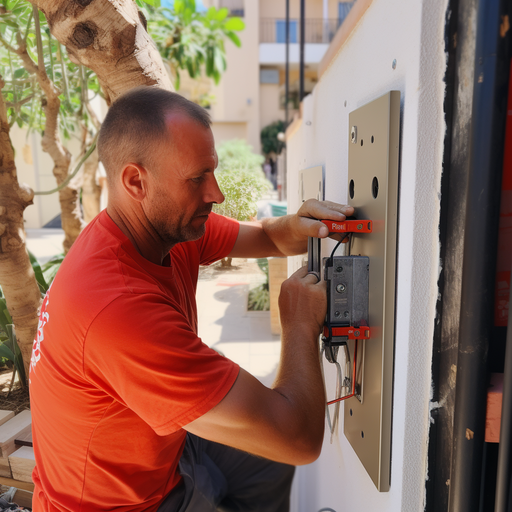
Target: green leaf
x,y
9,23
5,318
209,62
211,13
234,38
179,6
6,352
154,3
235,24
19,73
43,285
222,14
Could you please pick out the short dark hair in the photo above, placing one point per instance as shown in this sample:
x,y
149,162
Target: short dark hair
x,y
136,121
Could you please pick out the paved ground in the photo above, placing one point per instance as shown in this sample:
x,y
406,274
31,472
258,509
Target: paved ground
x,y
224,322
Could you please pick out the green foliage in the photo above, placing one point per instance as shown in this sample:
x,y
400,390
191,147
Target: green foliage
x,y
237,154
268,136
45,274
240,179
259,297
187,40
9,348
193,40
23,94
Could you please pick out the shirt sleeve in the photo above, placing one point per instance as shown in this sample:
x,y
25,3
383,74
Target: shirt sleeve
x,y
141,351
218,240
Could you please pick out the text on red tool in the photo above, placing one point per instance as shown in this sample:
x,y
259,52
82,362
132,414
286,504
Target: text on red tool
x,y
349,226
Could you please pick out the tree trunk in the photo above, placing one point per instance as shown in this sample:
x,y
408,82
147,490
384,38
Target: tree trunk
x,y
70,214
91,191
71,217
109,37
226,262
16,274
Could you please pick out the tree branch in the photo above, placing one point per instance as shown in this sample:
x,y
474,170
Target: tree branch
x,y
15,104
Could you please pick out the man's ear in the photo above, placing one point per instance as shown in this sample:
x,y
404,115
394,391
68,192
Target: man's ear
x,y
134,181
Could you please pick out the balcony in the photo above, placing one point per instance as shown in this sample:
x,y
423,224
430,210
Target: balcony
x,y
317,31
236,7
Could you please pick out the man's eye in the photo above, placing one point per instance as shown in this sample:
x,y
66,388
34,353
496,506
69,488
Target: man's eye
x,y
197,180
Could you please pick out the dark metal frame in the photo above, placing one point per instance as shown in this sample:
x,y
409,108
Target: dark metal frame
x,y
469,227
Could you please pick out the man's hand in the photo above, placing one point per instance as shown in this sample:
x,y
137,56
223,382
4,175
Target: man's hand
x,y
303,303
288,235
285,423
305,221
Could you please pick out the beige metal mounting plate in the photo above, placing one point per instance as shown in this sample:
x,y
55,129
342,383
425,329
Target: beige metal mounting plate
x,y
374,133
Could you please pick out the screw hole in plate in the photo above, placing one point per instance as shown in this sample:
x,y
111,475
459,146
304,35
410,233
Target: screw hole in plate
x,y
361,142
372,139
351,189
362,434
375,187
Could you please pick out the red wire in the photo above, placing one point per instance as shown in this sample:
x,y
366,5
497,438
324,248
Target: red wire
x,y
353,379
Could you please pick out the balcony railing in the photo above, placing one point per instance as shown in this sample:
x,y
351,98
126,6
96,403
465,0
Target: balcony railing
x,y
316,31
236,7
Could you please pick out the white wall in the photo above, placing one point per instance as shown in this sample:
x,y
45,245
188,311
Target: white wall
x,y
412,32
35,168
275,53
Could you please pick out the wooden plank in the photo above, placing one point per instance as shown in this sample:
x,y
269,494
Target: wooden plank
x,y
9,431
24,439
5,468
22,463
493,414
5,416
14,483
22,497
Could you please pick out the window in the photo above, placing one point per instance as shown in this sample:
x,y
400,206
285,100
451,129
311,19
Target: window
x,y
281,31
343,10
269,76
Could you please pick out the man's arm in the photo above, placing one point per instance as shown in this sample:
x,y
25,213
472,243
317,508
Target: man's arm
x,y
284,423
286,236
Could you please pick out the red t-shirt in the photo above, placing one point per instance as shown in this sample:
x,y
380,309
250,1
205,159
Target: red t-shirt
x,y
118,369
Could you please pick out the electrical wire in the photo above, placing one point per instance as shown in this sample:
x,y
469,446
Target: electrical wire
x,y
353,379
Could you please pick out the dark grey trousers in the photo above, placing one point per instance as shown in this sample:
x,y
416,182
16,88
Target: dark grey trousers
x,y
217,478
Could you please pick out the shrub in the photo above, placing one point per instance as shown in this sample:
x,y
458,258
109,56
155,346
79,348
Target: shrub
x,y
240,179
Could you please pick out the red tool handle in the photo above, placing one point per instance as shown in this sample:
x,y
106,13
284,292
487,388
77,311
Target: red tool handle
x,y
349,226
352,333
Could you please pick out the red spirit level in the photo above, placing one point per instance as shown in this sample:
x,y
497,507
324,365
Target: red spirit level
x,y
349,226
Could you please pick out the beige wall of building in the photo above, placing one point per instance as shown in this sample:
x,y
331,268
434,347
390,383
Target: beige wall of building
x,y
237,95
243,105
223,131
270,110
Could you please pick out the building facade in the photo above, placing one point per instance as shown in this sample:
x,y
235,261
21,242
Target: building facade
x,y
251,94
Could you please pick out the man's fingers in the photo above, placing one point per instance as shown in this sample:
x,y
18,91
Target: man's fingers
x,y
312,210
325,210
308,277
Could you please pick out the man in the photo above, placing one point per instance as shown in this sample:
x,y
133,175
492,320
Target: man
x,y
131,411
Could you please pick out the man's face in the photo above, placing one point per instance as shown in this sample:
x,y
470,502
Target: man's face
x,y
182,188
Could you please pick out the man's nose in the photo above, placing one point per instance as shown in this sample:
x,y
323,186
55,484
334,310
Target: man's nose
x,y
213,192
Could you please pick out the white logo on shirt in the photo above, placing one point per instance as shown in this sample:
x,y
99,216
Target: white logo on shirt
x,y
43,320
